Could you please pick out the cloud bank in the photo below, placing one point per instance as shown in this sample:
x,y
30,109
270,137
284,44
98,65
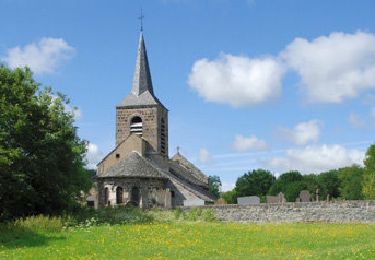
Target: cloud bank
x,y
204,156
42,57
330,68
333,67
236,80
245,144
316,159
302,133
93,156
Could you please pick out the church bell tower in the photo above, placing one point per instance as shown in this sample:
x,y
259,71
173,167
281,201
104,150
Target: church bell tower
x,y
141,113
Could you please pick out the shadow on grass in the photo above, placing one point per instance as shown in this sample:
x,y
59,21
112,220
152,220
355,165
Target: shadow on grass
x,y
14,237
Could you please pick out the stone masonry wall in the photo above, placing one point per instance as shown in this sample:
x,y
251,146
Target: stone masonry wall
x,y
329,212
151,120
148,115
152,192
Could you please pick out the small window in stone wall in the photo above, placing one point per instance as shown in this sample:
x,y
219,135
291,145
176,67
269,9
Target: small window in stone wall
x,y
172,192
117,155
90,204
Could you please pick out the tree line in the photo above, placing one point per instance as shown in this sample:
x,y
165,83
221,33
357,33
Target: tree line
x,y
348,183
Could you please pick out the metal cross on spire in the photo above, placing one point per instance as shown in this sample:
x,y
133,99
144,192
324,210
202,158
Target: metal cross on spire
x,y
141,18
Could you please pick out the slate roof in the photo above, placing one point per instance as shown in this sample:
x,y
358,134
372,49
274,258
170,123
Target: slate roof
x,y
133,165
186,180
142,92
191,168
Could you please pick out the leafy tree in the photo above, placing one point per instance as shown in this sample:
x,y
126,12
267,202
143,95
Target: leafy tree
x,y
293,189
311,183
255,183
351,182
214,185
283,181
229,196
292,183
41,156
369,174
329,184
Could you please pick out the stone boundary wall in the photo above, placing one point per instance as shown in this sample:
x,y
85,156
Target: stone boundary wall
x,y
292,212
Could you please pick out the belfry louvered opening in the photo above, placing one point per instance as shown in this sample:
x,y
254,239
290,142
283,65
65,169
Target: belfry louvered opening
x,y
136,125
163,137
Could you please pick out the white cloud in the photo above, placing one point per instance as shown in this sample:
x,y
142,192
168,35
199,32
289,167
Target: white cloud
x,y
356,121
41,57
93,155
302,133
252,143
204,156
237,80
227,186
316,159
333,67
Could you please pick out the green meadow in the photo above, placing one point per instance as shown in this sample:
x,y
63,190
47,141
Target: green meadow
x,y
190,240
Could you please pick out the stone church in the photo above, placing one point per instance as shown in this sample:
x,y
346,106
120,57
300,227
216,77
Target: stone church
x,y
138,171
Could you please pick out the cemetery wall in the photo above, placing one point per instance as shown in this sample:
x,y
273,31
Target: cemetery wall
x,y
328,212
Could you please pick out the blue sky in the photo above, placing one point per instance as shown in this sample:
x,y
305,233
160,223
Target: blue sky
x,y
273,84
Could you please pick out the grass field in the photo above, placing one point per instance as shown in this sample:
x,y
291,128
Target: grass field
x,y
194,241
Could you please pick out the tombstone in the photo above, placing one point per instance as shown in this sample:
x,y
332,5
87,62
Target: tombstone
x,y
305,196
281,197
272,199
248,200
298,199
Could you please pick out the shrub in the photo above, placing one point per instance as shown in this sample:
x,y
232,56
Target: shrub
x,y
177,214
208,215
193,214
111,216
198,214
40,223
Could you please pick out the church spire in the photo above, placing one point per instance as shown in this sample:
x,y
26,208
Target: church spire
x,y
142,75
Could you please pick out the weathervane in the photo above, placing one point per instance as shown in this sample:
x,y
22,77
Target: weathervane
x,y
141,18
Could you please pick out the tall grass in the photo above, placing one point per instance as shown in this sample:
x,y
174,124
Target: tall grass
x,y
85,218
40,224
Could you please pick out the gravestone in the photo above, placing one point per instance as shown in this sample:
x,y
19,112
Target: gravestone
x,y
305,196
281,197
272,199
276,199
248,200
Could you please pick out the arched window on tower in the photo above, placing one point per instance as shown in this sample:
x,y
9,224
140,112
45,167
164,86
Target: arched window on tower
x,y
136,126
163,137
